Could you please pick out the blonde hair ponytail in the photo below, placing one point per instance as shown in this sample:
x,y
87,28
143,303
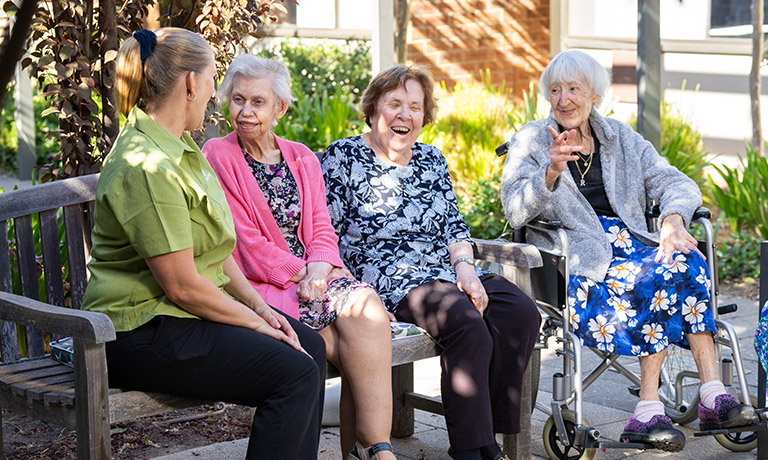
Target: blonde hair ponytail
x,y
176,52
129,75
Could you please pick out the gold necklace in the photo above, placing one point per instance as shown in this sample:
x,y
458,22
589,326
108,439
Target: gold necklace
x,y
587,164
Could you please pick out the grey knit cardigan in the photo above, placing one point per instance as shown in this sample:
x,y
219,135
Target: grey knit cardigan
x,y
633,172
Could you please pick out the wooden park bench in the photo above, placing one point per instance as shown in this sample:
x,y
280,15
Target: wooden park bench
x,y
50,234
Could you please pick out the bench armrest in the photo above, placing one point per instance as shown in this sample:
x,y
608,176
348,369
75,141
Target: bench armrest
x,y
520,255
86,325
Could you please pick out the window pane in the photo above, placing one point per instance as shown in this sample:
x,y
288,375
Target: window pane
x,y
732,18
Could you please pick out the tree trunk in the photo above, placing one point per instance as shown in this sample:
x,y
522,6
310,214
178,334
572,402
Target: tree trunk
x,y
107,41
12,48
754,75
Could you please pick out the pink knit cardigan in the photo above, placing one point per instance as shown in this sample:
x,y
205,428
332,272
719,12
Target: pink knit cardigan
x,y
261,250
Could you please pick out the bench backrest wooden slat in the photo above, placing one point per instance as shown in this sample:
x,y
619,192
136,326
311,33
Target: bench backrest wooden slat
x,y
9,342
49,239
75,221
75,199
27,259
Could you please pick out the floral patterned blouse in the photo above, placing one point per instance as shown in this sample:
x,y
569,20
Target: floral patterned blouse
x,y
282,194
394,222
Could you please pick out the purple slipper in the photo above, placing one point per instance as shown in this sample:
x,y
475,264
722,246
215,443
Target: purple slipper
x,y
727,413
658,432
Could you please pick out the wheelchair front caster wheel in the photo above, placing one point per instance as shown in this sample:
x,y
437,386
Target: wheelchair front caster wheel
x,y
555,449
739,442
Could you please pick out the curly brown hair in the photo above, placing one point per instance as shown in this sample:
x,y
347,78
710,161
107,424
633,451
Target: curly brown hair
x,y
396,77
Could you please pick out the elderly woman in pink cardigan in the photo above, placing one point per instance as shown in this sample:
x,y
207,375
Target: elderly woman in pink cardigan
x,y
288,250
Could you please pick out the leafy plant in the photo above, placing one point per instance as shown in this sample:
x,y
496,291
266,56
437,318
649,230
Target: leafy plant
x,y
743,196
681,144
46,145
472,120
72,47
482,209
324,66
318,119
739,256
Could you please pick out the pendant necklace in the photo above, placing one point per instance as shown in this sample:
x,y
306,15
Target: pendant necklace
x,y
587,165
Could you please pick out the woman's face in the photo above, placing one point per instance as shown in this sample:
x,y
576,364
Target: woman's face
x,y
253,107
205,90
572,103
398,117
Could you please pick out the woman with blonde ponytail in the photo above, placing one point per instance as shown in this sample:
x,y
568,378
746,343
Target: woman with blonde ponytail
x,y
187,320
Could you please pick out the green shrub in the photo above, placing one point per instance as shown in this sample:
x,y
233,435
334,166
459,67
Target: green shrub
x,y
46,146
325,65
743,196
472,120
681,144
482,208
739,256
320,118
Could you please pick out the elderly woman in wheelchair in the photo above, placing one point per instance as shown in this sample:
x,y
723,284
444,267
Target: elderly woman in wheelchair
x,y
632,291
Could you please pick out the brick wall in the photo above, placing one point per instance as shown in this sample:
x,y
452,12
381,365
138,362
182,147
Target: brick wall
x,y
458,39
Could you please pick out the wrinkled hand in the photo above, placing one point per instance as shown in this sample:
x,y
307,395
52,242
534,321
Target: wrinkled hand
x,y
561,152
276,326
339,272
468,283
674,237
315,282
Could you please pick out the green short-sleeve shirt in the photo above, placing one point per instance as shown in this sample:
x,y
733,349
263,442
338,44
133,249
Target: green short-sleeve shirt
x,y
156,194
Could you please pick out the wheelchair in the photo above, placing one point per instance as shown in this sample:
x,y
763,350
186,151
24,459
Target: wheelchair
x,y
567,433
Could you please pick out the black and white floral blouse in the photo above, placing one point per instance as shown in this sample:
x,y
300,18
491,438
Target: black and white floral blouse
x,y
394,222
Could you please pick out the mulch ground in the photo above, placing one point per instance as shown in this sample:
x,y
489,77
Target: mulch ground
x,y
29,439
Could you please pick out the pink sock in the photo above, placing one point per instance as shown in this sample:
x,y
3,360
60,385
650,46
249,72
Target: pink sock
x,y
645,410
709,391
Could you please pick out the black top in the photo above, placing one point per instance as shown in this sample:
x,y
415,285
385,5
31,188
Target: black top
x,y
593,187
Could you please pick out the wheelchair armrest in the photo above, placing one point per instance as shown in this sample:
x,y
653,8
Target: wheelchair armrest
x,y
502,149
701,212
545,225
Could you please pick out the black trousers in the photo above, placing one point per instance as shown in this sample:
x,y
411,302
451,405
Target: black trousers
x,y
484,356
202,359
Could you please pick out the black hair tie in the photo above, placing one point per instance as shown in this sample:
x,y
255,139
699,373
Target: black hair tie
x,y
147,40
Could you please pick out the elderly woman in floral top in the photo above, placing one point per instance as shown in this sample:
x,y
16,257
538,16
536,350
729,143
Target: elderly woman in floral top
x,y
288,250
394,208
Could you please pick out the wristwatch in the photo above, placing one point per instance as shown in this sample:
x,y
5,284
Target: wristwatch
x,y
468,260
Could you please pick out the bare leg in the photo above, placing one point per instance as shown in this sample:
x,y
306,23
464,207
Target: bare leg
x,y
360,346
703,350
650,370
347,421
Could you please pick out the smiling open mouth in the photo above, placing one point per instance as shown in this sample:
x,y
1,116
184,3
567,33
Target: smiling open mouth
x,y
400,129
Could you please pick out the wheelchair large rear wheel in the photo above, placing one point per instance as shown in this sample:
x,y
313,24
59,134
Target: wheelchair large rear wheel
x,y
557,451
683,406
739,442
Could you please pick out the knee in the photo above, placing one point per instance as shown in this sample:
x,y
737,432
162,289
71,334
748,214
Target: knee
x,y
314,344
366,304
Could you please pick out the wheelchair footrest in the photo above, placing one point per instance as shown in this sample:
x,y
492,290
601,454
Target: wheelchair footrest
x,y
761,426
623,445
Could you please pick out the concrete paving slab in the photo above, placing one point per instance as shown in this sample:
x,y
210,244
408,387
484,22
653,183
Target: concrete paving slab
x,y
607,406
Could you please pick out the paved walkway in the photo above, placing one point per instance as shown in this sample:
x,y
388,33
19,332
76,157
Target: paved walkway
x,y
608,408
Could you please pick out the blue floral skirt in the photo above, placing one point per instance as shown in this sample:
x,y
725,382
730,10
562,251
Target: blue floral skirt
x,y
641,306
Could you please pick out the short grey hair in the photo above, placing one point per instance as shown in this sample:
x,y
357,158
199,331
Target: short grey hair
x,y
250,66
575,65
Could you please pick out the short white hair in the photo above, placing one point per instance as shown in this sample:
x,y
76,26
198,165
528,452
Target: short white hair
x,y
250,66
575,65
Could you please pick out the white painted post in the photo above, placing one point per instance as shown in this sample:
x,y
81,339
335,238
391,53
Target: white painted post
x,y
25,124
383,35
